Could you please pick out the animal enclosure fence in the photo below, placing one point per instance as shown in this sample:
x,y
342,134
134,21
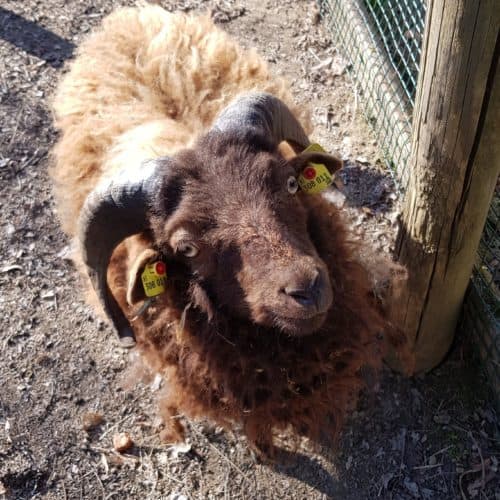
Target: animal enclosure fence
x,y
382,41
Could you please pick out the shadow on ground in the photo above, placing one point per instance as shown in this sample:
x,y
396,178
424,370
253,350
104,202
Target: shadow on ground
x,y
309,471
365,186
34,39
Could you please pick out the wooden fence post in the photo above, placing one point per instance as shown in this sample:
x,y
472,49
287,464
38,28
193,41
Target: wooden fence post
x,y
453,169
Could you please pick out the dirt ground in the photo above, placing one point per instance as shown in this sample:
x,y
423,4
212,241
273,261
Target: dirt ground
x,y
430,437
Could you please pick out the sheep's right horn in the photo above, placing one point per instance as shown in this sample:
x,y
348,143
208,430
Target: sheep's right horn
x,y
116,209
265,113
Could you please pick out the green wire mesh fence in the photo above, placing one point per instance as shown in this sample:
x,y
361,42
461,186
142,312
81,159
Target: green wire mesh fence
x,y
382,39
481,314
401,27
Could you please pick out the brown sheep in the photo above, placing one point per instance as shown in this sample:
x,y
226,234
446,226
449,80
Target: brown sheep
x,y
268,318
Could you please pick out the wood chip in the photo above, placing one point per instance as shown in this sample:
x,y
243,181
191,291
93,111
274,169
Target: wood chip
x,y
91,420
8,269
122,442
180,449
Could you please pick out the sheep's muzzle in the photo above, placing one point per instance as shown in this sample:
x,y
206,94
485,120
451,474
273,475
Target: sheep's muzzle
x,y
294,297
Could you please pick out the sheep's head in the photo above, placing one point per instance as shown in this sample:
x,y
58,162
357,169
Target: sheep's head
x,y
227,215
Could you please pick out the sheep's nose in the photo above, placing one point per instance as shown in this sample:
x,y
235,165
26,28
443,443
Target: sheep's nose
x,y
307,295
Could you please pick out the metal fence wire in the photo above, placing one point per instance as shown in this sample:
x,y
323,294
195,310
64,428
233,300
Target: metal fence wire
x,y
382,40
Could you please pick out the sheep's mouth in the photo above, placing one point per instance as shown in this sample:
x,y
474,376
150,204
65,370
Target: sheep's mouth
x,y
299,327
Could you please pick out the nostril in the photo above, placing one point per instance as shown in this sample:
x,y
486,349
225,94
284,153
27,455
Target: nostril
x,y
303,297
315,282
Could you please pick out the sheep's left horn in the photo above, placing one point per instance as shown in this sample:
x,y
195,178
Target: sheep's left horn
x,y
116,209
264,113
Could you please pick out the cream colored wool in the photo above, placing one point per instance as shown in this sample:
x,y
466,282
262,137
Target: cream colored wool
x,y
145,84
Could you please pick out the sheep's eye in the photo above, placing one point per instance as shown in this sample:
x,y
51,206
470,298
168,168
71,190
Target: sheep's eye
x,y
292,185
187,249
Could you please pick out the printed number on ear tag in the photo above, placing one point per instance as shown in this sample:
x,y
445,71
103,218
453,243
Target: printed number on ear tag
x,y
315,178
153,278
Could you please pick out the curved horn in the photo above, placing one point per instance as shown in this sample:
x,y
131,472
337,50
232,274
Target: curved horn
x,y
116,209
264,113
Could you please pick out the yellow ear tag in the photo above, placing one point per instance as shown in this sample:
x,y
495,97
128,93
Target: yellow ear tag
x,y
153,278
315,178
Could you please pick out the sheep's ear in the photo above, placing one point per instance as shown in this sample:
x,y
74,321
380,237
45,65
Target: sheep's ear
x,y
135,289
299,159
288,150
302,160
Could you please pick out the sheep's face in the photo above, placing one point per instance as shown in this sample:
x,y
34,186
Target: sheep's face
x,y
233,219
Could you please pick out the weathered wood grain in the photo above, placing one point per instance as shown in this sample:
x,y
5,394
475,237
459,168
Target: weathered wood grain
x,y
454,165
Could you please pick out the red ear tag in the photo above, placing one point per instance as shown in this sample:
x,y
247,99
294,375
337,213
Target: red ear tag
x,y
309,173
315,178
160,268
